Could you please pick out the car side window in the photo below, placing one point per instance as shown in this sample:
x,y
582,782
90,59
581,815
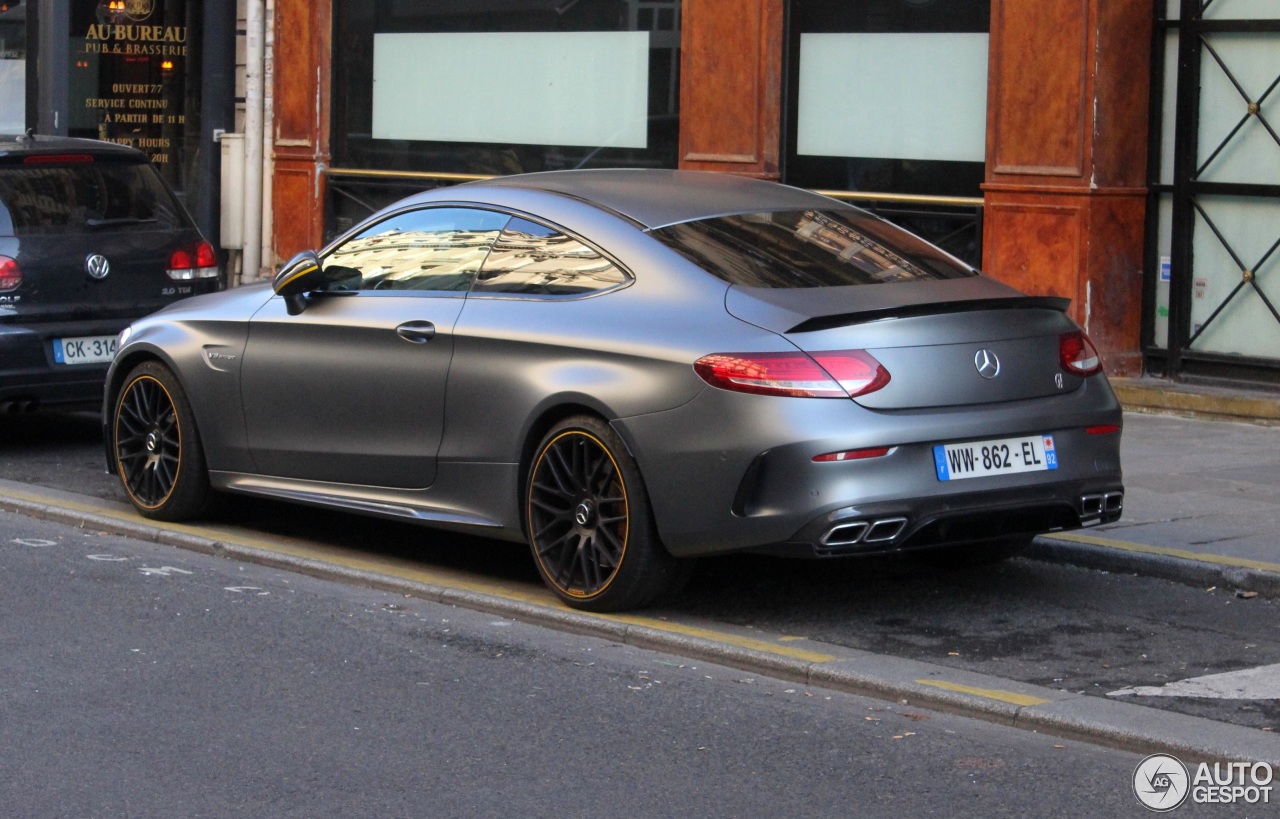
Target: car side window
x,y
427,249
533,259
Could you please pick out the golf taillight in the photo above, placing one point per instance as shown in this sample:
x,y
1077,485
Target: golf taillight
x,y
196,261
57,159
1077,354
10,274
837,374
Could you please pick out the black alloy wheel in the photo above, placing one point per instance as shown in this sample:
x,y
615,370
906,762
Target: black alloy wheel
x,y
589,523
157,449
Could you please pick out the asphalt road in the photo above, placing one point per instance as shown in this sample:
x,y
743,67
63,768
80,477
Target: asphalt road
x,y
1053,625
144,681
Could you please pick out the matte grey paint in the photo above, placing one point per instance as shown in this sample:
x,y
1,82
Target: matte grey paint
x,y
332,407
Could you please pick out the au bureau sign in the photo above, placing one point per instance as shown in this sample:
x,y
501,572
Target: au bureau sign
x,y
134,77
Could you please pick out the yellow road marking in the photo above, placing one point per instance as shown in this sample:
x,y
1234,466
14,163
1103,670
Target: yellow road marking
x,y
722,637
1124,545
987,693
535,595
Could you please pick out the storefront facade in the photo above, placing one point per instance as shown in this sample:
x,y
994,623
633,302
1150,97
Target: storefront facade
x,y
1122,153
1212,297
157,75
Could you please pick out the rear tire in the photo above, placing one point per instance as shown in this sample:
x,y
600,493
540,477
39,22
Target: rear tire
x,y
589,523
157,447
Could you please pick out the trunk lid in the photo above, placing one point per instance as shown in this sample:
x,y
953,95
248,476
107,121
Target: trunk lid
x,y
932,336
57,286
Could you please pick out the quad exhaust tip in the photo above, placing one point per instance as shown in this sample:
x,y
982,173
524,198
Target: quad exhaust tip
x,y
1095,506
853,532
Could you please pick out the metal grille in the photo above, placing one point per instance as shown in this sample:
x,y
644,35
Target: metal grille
x,y
1218,194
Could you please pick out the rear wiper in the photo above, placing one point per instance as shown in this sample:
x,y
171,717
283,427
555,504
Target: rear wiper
x,y
124,220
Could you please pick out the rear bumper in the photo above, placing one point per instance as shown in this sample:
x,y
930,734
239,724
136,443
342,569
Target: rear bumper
x,y
729,472
30,377
927,522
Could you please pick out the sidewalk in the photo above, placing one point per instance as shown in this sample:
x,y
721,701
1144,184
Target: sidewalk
x,y
1202,492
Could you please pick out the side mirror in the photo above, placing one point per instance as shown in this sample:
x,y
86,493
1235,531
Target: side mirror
x,y
299,274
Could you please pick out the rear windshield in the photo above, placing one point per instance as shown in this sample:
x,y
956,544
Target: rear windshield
x,y
42,199
809,249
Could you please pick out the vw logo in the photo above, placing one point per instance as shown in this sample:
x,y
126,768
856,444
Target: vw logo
x,y
987,363
97,266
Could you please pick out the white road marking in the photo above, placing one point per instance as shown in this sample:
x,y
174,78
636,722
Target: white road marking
x,y
163,571
243,589
1261,683
35,543
107,558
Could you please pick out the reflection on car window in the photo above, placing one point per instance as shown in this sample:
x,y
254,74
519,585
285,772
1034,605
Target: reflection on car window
x,y
532,259
809,249
82,198
437,249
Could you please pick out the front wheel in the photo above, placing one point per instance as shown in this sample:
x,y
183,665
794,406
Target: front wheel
x,y
157,448
589,523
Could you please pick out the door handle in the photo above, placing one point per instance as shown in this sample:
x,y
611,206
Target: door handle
x,y
417,332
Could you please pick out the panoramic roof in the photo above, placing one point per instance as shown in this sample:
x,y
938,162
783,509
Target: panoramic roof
x,y
656,198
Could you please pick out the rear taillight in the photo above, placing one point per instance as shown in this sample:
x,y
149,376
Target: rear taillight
x,y
839,374
10,274
196,261
1077,354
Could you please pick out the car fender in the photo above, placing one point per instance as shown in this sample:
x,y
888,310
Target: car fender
x,y
205,358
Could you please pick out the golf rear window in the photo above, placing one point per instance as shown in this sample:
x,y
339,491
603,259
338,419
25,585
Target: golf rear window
x,y
787,249
47,198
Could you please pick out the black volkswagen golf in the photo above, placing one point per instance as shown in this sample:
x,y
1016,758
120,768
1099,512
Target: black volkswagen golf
x,y
91,238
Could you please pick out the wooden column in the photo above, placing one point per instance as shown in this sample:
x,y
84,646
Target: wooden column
x,y
1066,160
731,86
302,55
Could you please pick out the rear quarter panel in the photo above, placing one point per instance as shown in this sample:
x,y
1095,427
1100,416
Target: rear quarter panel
x,y
622,353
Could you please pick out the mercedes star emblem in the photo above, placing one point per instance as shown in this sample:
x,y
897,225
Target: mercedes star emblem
x,y
97,266
987,363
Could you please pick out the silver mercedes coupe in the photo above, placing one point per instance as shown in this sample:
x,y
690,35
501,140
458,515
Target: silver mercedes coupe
x,y
628,369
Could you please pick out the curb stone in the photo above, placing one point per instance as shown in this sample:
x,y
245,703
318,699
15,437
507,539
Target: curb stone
x,y
1165,567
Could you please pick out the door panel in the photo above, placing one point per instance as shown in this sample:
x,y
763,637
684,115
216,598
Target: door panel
x,y
338,394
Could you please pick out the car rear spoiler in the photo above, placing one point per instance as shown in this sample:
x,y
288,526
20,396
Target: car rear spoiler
x,y
817,323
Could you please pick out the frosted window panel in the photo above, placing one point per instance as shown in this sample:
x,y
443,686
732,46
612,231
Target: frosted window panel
x,y
1243,10
1250,154
1245,326
1169,110
1164,271
13,96
893,96
562,88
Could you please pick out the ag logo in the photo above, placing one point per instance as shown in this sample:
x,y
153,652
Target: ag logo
x,y
1161,782
138,10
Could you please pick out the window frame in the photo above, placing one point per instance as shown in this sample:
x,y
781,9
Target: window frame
x,y
628,277
510,214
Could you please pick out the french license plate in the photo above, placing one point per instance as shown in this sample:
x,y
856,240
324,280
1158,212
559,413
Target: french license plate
x,y
84,350
1004,456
